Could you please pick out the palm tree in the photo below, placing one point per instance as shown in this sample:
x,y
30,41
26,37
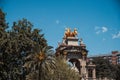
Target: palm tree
x,y
40,65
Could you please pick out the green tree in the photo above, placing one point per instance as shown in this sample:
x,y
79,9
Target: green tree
x,y
117,72
15,45
48,68
40,65
103,68
63,71
3,40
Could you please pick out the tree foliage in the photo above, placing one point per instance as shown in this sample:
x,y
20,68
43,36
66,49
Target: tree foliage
x,y
46,67
106,69
117,72
40,65
102,67
63,71
15,45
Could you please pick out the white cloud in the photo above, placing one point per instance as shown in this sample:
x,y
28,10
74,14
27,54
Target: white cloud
x,y
116,35
103,39
99,30
104,29
57,21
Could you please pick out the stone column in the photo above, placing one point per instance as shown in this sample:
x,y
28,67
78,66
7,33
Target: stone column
x,y
94,74
83,69
86,74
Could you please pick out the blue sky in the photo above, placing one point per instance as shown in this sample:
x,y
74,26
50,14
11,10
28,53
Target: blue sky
x,y
97,21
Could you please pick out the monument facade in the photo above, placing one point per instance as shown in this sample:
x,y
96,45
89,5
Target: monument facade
x,y
74,51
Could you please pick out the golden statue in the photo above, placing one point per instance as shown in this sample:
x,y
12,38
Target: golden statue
x,y
74,33
68,32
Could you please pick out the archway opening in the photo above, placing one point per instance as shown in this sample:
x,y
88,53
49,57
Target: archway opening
x,y
76,63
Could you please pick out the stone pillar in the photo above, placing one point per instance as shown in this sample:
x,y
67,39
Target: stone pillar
x,y
83,69
94,74
86,74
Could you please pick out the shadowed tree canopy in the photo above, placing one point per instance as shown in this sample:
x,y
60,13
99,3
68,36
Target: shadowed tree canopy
x,y
105,69
15,45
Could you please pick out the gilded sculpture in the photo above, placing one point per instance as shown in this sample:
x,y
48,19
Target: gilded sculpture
x,y
68,33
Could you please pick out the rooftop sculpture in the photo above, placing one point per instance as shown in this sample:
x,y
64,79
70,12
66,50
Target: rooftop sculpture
x,y
68,33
